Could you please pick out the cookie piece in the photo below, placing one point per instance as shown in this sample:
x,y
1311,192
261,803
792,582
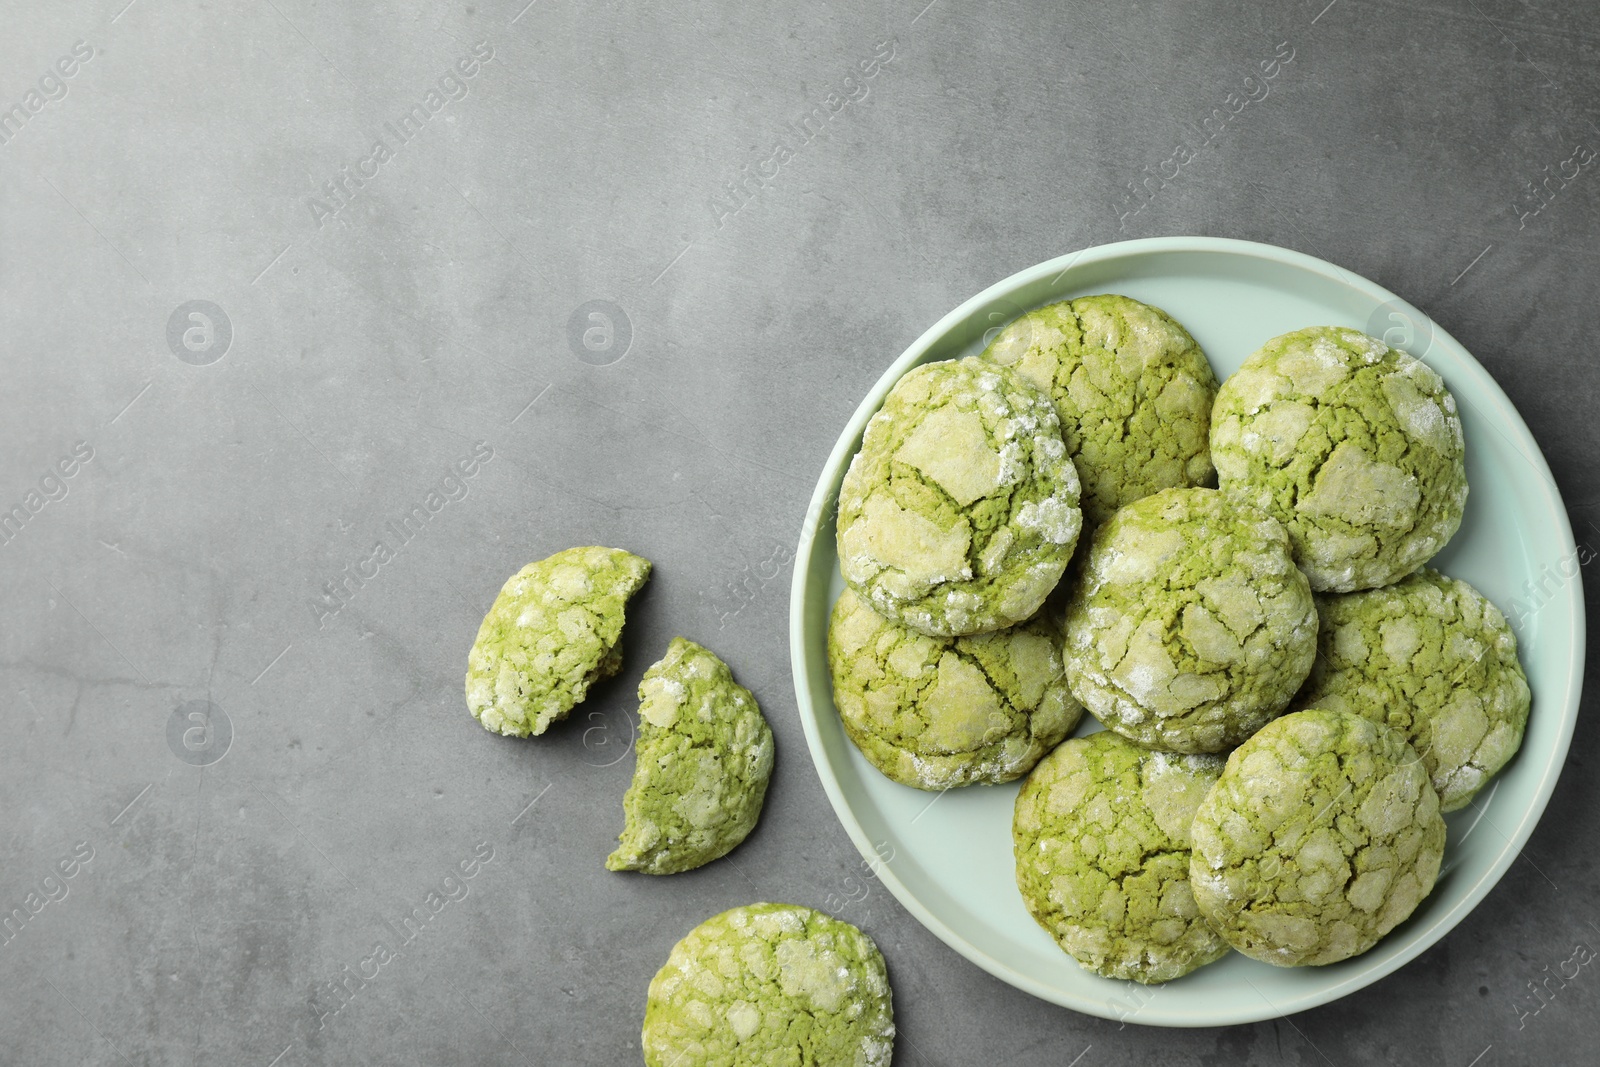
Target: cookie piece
x,y
1321,835
1132,389
550,634
702,762
937,712
960,511
1354,446
1101,835
1190,626
1432,658
770,984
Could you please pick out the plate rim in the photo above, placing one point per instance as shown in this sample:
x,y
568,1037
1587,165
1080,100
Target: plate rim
x,y
1566,704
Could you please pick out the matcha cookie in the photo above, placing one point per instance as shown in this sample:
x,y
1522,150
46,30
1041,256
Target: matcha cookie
x,y
1131,387
1431,657
1354,446
775,984
937,712
550,634
1322,834
1101,834
1190,626
702,762
960,511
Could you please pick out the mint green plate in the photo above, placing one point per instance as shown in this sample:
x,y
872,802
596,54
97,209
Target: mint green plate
x,y
949,856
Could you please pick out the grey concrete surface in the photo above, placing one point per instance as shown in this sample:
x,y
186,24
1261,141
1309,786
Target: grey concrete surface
x,y
266,786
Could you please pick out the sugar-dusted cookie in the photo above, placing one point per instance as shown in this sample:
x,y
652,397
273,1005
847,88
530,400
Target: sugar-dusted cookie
x,y
1132,389
1431,657
770,983
1190,626
1101,835
937,712
1354,446
960,512
1322,834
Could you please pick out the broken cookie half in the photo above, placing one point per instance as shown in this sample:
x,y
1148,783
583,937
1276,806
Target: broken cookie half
x,y
551,633
704,756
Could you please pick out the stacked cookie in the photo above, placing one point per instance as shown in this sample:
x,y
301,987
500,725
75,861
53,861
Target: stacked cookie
x,y
960,513
1195,613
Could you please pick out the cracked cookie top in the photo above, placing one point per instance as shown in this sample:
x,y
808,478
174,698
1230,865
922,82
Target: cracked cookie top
x,y
551,633
702,763
936,712
960,511
1322,834
1132,389
1101,835
1190,626
1354,446
770,984
1431,657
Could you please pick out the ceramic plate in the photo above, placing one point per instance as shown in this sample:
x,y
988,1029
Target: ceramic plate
x,y
951,862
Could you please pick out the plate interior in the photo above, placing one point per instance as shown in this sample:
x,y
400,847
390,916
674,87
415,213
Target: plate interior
x,y
952,864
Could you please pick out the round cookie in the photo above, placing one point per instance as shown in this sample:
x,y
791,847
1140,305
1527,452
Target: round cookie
x,y
1432,658
1354,446
702,763
1132,389
960,511
937,712
1190,626
1101,835
551,633
770,984
1322,834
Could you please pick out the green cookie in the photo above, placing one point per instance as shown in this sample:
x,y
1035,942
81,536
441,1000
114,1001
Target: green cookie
x,y
550,634
937,712
1354,446
1322,834
1190,626
776,984
960,511
702,762
1432,658
1101,834
1132,389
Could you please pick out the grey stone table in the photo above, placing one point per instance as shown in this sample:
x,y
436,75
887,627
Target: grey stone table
x,y
479,281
